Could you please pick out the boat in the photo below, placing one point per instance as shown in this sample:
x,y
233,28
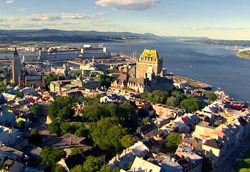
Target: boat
x,y
238,105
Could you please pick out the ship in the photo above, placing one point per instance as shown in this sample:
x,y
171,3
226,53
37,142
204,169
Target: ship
x,y
238,105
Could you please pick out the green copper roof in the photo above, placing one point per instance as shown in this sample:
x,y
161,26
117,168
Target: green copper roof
x,y
149,55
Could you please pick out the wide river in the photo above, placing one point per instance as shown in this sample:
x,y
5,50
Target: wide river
x,y
206,63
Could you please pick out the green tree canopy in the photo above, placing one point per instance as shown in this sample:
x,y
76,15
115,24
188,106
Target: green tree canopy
x,y
66,127
51,155
21,124
127,141
156,96
191,105
146,120
36,110
34,131
210,96
172,101
59,168
82,132
54,127
19,94
172,142
106,81
107,133
61,108
92,164
106,168
93,112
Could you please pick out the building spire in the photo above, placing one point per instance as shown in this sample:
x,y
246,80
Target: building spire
x,y
15,52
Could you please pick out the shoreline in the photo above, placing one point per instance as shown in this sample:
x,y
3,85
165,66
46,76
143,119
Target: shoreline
x,y
238,54
195,83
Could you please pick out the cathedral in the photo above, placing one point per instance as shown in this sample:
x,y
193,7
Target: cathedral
x,y
149,75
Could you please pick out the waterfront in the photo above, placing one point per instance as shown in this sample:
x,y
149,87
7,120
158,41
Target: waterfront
x,y
206,63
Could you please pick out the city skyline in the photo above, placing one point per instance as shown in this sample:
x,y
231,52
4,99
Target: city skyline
x,y
225,19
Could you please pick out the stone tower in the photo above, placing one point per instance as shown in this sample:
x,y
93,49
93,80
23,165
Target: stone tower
x,y
16,69
148,60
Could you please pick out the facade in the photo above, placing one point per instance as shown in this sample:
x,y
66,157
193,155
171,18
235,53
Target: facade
x,y
149,75
88,52
34,81
64,85
16,69
149,60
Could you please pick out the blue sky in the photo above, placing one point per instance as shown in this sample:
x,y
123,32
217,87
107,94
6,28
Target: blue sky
x,y
219,19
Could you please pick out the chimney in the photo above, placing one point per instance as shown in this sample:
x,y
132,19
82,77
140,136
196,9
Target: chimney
x,y
70,141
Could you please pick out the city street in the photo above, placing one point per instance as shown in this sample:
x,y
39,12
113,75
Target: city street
x,y
234,158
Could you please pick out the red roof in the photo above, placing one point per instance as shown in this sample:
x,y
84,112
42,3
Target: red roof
x,y
31,100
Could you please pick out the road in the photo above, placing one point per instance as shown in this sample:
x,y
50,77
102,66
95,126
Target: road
x,y
231,161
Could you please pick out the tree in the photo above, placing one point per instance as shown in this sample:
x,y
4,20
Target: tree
x,y
66,128
210,96
61,108
146,120
191,105
172,142
127,141
93,112
106,168
78,168
172,101
127,115
59,168
107,133
82,132
53,110
114,136
34,131
49,79
51,155
106,81
36,110
156,96
19,94
66,112
2,88
21,124
110,109
92,164
75,151
54,127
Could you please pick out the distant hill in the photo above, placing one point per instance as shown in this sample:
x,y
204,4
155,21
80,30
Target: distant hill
x,y
52,35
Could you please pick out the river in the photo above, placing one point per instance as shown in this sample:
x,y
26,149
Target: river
x,y
206,63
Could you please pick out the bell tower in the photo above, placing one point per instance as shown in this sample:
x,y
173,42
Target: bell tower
x,y
16,68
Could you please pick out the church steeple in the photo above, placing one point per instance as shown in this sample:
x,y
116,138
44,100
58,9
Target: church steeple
x,y
16,68
15,52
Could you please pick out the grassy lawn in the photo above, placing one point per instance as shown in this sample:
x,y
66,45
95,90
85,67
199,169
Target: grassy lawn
x,y
244,165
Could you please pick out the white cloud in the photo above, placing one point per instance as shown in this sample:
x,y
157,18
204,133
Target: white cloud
x,y
9,19
74,16
219,28
44,17
3,20
9,1
23,9
56,17
128,4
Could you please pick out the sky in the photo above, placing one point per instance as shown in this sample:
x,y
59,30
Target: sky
x,y
216,19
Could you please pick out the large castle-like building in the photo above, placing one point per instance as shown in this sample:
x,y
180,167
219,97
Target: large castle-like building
x,y
149,75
